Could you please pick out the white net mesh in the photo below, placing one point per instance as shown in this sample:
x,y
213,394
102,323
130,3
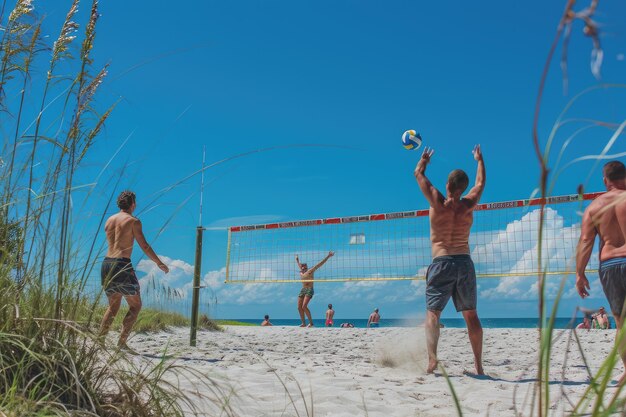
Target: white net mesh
x,y
504,242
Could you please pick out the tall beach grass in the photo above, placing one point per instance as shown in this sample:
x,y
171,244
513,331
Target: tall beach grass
x,y
51,362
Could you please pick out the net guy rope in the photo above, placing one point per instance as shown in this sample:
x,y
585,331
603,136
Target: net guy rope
x,y
396,246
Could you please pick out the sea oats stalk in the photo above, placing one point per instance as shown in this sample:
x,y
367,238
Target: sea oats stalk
x,y
542,391
51,363
60,51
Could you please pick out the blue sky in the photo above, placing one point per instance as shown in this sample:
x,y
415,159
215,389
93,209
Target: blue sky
x,y
350,77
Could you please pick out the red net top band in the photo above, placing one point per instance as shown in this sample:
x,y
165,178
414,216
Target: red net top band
x,y
417,213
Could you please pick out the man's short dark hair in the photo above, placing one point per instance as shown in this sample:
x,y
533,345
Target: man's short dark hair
x,y
614,171
125,200
457,181
267,317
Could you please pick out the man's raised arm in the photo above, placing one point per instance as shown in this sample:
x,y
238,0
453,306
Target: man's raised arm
x,y
477,190
433,196
583,253
316,267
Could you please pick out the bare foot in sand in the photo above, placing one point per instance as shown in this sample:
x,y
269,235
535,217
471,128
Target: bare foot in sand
x,y
479,370
125,348
303,325
310,325
432,365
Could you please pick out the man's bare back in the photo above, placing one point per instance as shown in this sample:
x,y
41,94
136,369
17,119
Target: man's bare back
x,y
450,225
120,236
607,214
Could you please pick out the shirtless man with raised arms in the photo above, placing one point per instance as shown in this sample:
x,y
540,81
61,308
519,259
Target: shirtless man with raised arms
x,y
117,273
606,217
451,273
307,292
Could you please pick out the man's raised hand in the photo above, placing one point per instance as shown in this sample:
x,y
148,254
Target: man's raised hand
x,y
478,155
427,154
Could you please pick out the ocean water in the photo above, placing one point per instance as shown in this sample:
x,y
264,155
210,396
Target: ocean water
x,y
517,323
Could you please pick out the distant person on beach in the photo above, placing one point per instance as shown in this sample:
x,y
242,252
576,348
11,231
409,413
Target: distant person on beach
x,y
117,273
374,319
586,324
601,320
606,217
348,325
330,313
451,273
306,293
266,322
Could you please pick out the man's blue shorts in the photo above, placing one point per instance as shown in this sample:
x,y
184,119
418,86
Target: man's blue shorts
x,y
613,278
451,276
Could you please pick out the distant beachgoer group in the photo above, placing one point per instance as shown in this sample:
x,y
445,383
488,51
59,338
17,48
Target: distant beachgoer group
x,y
373,321
599,320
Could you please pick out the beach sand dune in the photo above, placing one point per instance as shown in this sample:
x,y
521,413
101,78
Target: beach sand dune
x,y
324,372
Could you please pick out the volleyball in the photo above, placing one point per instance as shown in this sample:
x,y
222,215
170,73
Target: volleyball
x,y
411,140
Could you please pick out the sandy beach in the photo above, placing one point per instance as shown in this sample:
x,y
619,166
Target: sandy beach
x,y
288,371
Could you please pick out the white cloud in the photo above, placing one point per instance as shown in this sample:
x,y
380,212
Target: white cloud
x,y
516,249
180,278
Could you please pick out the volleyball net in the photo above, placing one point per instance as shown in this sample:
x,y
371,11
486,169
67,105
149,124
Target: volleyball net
x,y
504,242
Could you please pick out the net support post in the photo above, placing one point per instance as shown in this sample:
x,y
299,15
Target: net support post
x,y
226,280
195,301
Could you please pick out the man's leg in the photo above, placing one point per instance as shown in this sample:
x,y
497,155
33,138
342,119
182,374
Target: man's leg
x,y
432,338
301,311
134,306
475,332
115,300
305,307
619,321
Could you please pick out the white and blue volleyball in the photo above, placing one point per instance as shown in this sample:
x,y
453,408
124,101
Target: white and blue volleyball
x,y
411,140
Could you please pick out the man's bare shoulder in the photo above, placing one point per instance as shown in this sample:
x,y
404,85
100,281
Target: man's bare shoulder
x,y
468,203
122,220
604,200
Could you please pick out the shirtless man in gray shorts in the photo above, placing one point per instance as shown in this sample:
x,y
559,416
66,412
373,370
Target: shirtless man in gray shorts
x,y
451,273
606,217
117,273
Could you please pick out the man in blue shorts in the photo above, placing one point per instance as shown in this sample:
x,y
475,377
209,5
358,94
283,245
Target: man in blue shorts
x,y
606,217
451,273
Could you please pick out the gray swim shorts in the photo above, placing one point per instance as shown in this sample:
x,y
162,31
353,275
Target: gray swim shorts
x,y
451,276
613,278
118,276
